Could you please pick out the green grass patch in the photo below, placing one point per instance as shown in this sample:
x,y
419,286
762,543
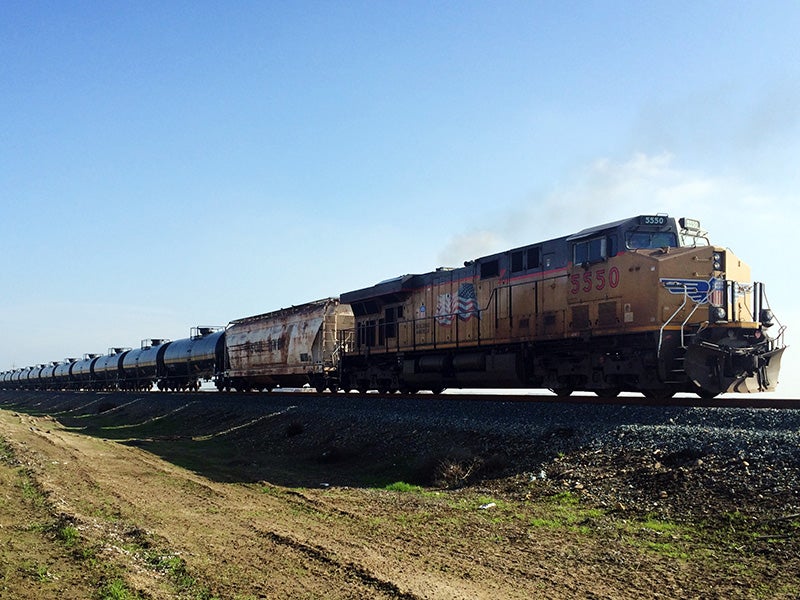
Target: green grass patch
x,y
31,493
566,498
6,453
117,589
660,526
171,565
667,549
402,486
68,534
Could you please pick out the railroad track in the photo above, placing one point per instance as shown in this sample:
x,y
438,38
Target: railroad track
x,y
751,401
632,400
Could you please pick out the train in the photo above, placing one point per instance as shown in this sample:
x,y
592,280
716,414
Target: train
x,y
646,304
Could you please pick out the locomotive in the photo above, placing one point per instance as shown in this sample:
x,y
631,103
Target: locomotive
x,y
646,304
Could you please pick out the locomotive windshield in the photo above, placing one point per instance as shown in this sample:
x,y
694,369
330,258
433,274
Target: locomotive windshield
x,y
650,239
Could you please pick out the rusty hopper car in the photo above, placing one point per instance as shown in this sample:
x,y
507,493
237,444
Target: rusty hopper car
x,y
646,304
290,347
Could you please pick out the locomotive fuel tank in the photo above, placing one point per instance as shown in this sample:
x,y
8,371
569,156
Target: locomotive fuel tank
x,y
288,347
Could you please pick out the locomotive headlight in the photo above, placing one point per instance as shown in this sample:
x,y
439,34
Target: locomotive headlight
x,y
717,260
718,313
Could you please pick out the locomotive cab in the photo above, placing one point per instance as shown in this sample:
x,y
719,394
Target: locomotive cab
x,y
710,320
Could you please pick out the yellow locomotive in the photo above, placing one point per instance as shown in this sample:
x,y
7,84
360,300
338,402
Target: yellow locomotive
x,y
645,304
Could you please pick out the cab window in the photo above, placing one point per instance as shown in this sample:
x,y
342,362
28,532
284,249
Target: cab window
x,y
590,251
650,239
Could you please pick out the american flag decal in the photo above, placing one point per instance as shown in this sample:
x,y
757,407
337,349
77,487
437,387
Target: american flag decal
x,y
467,302
445,307
716,295
464,305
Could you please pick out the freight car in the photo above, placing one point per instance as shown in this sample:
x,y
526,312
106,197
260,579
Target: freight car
x,y
290,347
644,304
174,366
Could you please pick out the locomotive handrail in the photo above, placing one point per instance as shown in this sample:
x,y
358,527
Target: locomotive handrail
x,y
683,325
668,321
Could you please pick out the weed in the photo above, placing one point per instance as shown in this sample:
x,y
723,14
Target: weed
x,y
667,549
271,490
36,571
6,453
452,474
413,519
566,498
30,492
660,526
547,523
117,589
68,534
175,568
402,486
735,520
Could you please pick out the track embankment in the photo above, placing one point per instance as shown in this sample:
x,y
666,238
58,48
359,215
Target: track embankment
x,y
275,496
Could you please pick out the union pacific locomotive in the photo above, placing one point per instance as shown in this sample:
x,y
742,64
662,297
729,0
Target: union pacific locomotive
x,y
646,304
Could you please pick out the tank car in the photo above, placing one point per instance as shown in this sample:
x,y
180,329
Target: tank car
x,y
290,347
141,368
47,376
106,371
61,374
82,372
12,380
187,361
644,304
32,377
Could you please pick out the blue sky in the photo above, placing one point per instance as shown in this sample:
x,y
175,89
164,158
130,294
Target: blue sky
x,y
171,164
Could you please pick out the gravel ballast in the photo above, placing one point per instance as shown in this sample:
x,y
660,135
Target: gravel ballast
x,y
677,461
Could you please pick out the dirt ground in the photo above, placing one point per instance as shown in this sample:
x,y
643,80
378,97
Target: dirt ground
x,y
90,510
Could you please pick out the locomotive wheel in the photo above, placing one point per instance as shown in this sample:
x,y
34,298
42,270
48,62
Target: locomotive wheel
x,y
608,393
562,392
706,394
333,388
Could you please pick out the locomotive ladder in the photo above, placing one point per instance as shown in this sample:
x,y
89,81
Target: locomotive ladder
x,y
680,359
683,325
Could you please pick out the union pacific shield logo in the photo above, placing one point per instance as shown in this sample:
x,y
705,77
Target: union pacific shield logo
x,y
698,290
